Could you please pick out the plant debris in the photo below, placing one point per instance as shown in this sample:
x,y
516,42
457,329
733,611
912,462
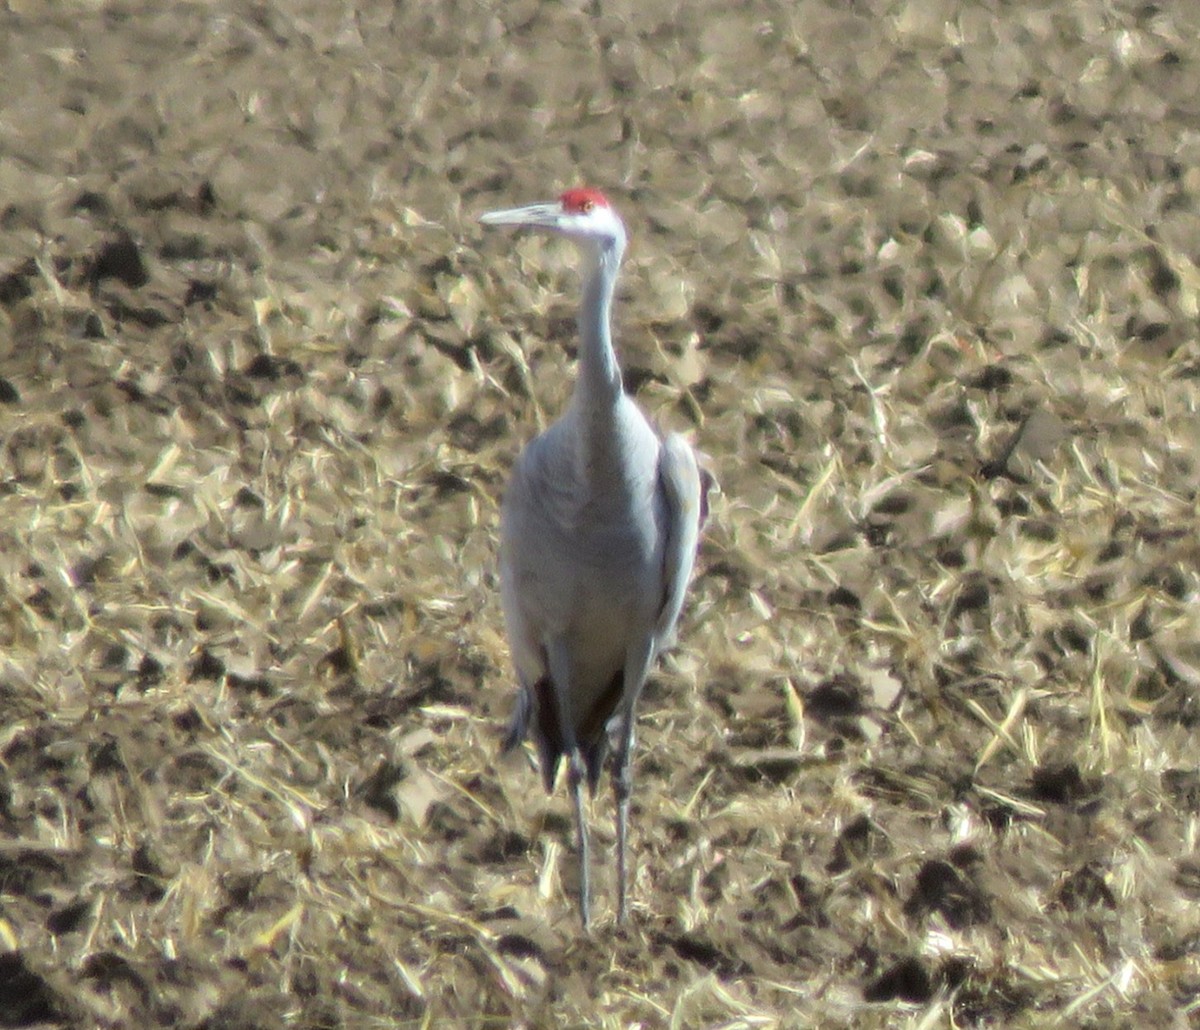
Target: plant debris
x,y
919,279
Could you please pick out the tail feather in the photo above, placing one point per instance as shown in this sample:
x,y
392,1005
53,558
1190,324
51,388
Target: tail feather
x,y
518,724
593,761
537,702
536,710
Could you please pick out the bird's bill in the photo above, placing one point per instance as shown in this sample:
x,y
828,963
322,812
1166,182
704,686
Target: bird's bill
x,y
533,216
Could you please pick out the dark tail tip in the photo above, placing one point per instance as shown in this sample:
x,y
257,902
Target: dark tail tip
x,y
518,724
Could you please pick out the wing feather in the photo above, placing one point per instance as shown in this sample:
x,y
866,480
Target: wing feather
x,y
683,491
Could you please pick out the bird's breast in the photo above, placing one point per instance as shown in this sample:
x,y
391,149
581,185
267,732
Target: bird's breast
x,y
581,556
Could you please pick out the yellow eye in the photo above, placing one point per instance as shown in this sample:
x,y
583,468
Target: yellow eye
x,y
588,206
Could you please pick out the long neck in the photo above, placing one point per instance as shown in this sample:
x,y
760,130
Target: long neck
x,y
610,446
599,384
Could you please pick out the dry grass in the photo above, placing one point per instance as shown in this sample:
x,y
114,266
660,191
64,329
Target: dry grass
x,y
921,279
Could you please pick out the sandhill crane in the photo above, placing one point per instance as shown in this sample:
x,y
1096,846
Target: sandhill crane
x,y
599,529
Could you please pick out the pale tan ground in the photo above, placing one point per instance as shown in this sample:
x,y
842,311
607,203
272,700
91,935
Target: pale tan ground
x,y
920,279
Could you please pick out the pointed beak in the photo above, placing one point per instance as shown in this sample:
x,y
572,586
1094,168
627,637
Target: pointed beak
x,y
532,216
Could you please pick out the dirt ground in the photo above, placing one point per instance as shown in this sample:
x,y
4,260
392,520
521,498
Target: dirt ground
x,y
919,277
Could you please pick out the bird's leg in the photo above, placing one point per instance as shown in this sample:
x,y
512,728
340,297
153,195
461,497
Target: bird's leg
x,y
575,776
637,666
559,660
622,787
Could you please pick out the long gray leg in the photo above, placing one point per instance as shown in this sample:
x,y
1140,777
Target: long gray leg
x,y
622,787
637,665
575,776
560,675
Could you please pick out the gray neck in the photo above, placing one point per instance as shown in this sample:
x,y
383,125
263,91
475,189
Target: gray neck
x,y
599,384
606,442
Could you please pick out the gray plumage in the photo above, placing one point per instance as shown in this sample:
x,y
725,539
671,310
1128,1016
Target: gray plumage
x,y
599,530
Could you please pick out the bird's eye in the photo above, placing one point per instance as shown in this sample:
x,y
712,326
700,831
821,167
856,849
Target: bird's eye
x,y
588,206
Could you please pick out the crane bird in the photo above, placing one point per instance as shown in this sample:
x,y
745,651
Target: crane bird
x,y
599,529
